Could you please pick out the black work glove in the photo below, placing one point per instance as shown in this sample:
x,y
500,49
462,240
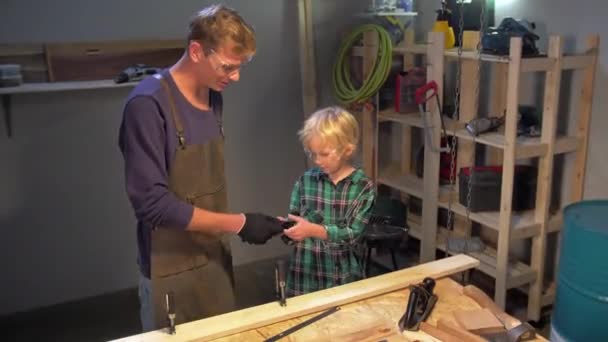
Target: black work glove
x,y
259,228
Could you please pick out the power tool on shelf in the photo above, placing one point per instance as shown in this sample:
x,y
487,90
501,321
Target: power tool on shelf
x,y
479,126
135,73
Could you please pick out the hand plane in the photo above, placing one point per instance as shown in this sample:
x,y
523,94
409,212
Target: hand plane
x,y
419,305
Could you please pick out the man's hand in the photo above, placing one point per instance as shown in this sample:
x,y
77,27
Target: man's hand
x,y
259,228
304,229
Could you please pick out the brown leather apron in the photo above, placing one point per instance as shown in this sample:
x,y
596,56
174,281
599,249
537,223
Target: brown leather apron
x,y
196,267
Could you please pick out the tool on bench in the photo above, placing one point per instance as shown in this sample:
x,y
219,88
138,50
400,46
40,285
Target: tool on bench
x,y
302,325
483,125
449,330
279,273
450,327
170,305
421,99
419,305
515,330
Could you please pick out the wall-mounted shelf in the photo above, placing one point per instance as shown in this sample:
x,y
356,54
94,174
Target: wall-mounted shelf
x,y
75,66
389,14
46,87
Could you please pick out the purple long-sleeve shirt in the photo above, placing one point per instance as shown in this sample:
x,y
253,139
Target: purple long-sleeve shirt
x,y
148,142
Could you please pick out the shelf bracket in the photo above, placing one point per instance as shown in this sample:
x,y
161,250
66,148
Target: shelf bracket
x,y
6,104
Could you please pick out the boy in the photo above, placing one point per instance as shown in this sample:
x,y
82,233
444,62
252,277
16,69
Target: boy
x,y
330,205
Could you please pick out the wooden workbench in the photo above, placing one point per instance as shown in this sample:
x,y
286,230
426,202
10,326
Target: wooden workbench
x,y
373,319
369,311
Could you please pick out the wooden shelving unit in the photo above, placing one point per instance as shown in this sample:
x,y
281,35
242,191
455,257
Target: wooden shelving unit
x,y
508,150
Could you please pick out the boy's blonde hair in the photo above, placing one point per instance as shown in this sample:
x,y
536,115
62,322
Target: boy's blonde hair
x,y
216,24
334,125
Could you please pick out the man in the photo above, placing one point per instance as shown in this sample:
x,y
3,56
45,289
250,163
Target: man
x,y
172,140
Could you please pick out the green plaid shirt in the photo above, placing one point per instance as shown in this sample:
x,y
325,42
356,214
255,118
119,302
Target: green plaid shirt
x,y
344,210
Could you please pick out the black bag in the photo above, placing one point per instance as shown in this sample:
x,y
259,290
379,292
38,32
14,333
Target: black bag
x,y
497,40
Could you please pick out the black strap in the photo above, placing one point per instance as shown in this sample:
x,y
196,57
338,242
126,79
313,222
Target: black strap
x,y
217,104
178,124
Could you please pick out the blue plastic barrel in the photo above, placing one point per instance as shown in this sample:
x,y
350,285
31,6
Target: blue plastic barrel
x,y
580,312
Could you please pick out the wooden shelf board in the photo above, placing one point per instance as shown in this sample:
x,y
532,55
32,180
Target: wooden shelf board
x,y
536,64
523,224
392,176
567,144
548,295
519,220
388,14
548,298
415,224
410,119
528,64
63,86
556,222
527,147
576,61
518,273
452,53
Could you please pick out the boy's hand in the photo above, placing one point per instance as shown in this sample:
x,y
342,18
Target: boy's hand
x,y
304,229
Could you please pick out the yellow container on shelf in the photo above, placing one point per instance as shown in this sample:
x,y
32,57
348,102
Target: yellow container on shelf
x,y
443,26
470,40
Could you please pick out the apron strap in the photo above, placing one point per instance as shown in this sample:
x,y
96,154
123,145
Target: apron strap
x,y
176,120
216,102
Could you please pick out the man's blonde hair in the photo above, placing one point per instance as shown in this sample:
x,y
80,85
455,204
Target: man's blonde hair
x,y
334,126
217,24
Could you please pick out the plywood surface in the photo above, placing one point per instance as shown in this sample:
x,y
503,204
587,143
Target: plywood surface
x,y
367,319
264,315
371,317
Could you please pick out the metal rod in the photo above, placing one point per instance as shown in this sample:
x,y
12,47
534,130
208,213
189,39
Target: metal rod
x,y
302,325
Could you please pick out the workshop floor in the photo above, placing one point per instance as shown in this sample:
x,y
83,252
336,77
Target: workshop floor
x,y
97,319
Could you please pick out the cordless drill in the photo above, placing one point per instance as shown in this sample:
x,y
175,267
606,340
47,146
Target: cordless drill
x,y
313,217
135,73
